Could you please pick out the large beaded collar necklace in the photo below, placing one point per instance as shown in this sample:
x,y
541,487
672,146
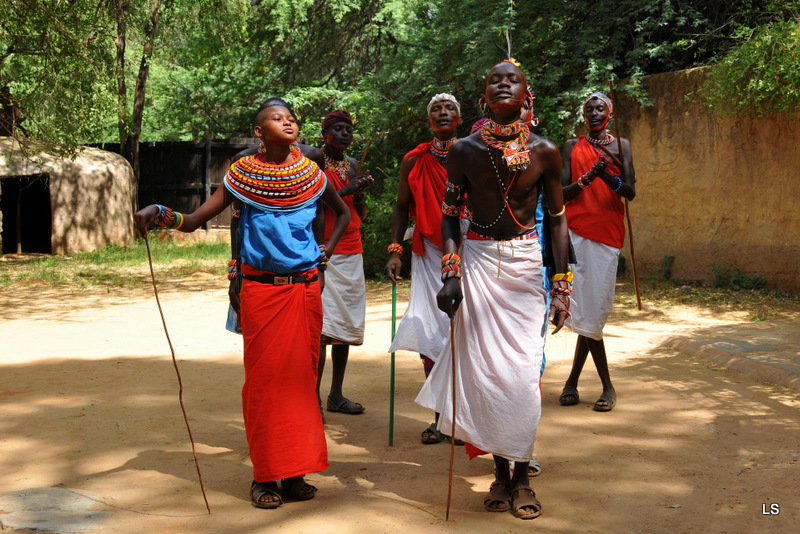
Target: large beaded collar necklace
x,y
439,148
340,167
514,151
269,186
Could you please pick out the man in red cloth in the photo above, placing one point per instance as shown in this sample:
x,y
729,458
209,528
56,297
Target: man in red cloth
x,y
593,191
344,301
424,327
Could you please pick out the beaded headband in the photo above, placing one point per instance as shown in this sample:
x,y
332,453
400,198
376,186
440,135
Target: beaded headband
x,y
604,98
444,97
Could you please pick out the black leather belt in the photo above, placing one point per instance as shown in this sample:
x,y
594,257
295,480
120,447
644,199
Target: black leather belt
x,y
280,280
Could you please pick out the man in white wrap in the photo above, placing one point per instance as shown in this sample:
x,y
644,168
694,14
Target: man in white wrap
x,y
344,300
420,193
495,290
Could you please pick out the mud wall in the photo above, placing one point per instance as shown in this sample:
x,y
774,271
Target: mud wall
x,y
712,191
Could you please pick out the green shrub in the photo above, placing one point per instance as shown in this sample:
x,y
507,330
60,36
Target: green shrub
x,y
725,277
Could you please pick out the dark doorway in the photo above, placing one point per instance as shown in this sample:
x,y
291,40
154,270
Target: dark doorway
x,y
27,222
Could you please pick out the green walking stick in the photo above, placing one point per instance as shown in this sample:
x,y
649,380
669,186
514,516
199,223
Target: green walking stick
x,y
391,378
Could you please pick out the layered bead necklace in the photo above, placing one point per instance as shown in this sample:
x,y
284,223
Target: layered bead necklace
x,y
514,151
276,186
516,156
439,148
340,167
607,141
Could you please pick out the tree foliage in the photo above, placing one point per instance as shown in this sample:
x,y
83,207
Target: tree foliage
x,y
762,74
55,69
211,63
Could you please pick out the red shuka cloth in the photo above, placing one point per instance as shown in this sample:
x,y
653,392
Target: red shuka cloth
x,y
281,327
597,212
426,181
350,243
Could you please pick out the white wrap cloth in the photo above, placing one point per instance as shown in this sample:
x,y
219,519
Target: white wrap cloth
x,y
593,287
499,340
344,299
424,327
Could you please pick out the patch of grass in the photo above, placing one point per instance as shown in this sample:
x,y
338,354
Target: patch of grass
x,y
115,266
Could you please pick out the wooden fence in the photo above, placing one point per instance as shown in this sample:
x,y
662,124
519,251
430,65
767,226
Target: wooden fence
x,y
184,174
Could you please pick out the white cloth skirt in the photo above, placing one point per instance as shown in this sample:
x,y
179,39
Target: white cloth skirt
x,y
499,340
344,299
424,327
595,279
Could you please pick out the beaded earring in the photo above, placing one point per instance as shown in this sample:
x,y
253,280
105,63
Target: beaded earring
x,y
483,106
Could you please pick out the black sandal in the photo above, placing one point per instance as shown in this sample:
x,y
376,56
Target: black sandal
x,y
297,489
259,490
430,435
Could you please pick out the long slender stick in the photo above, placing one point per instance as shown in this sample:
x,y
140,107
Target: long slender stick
x,y
177,372
453,425
627,206
391,378
363,157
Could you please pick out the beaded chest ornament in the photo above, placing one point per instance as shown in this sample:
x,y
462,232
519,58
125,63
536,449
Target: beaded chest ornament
x,y
514,151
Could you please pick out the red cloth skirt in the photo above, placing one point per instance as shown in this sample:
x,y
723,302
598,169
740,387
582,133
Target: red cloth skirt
x,y
281,327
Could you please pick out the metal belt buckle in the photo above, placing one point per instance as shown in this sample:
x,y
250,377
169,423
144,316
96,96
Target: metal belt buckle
x,y
282,280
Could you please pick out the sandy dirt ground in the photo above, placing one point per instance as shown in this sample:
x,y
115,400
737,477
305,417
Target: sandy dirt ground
x,y
92,437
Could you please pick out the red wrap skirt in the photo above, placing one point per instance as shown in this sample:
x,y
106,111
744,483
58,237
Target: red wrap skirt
x,y
281,327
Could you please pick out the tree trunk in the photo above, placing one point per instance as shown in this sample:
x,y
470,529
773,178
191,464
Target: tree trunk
x,y
121,15
132,146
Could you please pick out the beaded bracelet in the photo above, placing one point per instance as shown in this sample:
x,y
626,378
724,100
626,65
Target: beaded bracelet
x,y
168,218
323,258
581,183
619,184
561,303
233,269
395,247
569,277
451,266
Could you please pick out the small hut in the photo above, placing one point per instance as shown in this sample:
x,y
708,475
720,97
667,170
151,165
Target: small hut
x,y
55,205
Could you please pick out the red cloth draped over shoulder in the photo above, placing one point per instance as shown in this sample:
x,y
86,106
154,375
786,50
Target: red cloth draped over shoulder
x,y
281,327
350,243
426,181
597,212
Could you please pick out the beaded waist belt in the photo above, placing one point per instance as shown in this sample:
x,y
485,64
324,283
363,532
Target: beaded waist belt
x,y
281,280
524,237
263,277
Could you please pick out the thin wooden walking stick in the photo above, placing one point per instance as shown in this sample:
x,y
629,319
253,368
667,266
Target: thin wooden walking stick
x,y
453,425
391,378
177,372
363,157
627,207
